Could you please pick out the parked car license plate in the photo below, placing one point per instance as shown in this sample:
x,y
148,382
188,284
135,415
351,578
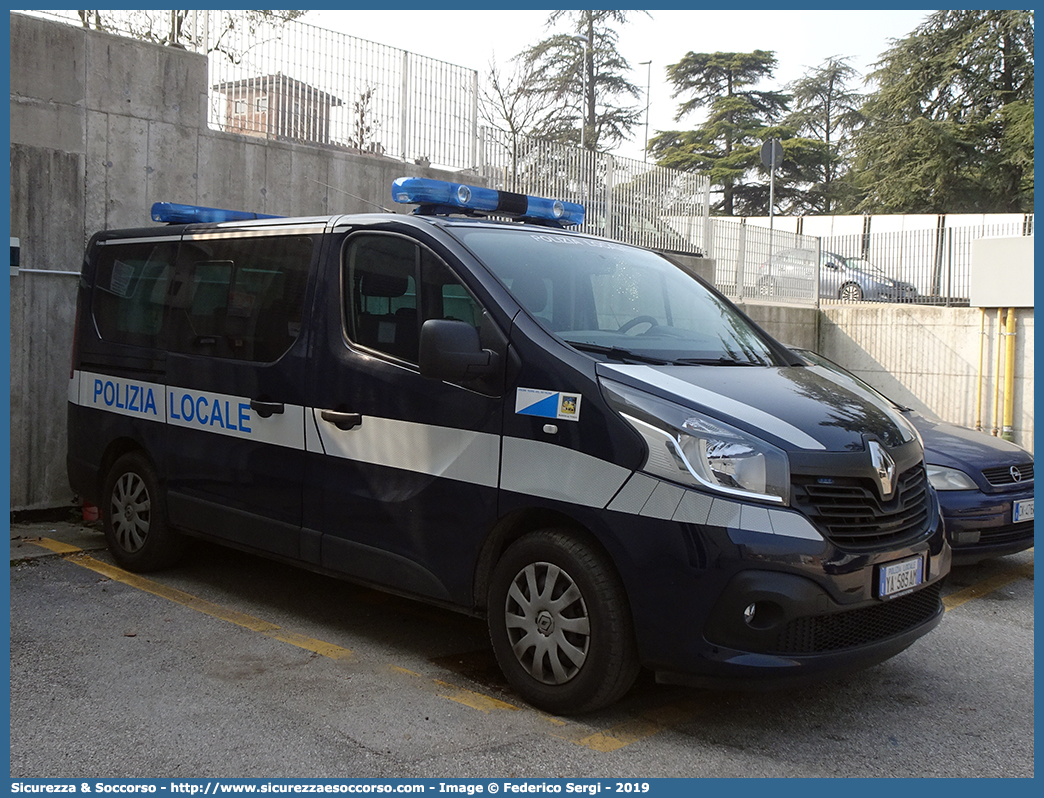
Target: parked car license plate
x,y
1022,511
900,577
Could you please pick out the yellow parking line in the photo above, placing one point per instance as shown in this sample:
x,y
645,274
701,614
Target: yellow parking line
x,y
649,723
980,589
54,545
469,698
76,556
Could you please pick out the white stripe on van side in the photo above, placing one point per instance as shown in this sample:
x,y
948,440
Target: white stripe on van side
x,y
752,415
542,469
533,468
267,232
126,397
459,454
231,415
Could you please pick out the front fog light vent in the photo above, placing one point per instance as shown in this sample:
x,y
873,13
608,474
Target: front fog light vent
x,y
762,615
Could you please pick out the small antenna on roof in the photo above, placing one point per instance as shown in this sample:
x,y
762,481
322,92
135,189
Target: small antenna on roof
x,y
354,196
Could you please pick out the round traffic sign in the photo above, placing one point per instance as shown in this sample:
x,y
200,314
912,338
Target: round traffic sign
x,y
772,153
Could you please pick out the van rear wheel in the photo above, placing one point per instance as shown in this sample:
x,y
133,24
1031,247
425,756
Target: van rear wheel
x,y
134,517
560,625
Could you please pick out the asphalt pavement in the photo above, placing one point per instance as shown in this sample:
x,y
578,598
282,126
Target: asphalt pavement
x,y
235,665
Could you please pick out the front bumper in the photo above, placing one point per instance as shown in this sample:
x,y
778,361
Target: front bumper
x,y
799,634
817,607
980,525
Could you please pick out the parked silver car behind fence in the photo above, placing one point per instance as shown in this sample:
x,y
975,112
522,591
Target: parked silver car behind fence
x,y
791,272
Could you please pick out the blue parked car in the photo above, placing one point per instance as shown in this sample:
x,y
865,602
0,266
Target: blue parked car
x,y
985,484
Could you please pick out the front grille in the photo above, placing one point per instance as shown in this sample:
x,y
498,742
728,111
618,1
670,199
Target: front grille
x,y
1001,475
859,627
851,513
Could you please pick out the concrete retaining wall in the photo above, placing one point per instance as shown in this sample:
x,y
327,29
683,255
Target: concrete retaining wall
x,y
102,127
928,358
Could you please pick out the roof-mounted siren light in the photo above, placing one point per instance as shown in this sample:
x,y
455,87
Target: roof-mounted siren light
x,y
173,213
436,197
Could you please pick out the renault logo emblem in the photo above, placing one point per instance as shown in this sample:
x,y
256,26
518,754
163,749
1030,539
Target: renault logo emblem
x,y
1016,475
884,469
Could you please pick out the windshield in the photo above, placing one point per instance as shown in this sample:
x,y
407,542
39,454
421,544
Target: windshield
x,y
616,300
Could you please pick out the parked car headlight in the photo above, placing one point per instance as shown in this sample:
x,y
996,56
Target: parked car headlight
x,y
943,478
694,449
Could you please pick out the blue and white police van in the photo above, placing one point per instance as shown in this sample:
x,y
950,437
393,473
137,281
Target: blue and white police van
x,y
570,436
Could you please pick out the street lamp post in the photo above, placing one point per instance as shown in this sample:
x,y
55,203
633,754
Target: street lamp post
x,y
648,87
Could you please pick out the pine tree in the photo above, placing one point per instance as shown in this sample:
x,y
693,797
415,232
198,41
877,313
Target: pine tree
x,y
581,77
739,118
826,111
950,128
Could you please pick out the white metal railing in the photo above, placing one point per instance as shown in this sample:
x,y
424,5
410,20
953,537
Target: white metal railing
x,y
295,82
625,199
928,266
751,262
936,261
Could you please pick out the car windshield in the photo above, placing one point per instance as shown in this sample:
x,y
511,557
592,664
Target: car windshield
x,y
616,301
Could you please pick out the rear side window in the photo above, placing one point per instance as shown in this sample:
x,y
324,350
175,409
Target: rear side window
x,y
130,287
393,285
240,298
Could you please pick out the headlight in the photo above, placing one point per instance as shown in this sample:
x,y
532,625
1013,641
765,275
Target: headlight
x,y
943,478
691,448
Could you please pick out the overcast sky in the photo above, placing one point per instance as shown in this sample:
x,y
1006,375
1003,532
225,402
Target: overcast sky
x,y
800,40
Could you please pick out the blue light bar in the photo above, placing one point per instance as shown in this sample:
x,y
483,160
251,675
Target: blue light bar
x,y
173,213
441,196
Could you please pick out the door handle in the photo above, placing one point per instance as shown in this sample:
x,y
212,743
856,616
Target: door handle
x,y
266,409
343,421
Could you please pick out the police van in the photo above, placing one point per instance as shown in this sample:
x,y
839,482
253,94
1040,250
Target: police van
x,y
474,406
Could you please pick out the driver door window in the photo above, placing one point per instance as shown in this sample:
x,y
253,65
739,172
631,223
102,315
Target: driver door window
x,y
393,285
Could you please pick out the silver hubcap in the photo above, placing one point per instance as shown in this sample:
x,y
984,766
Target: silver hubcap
x,y
547,623
130,512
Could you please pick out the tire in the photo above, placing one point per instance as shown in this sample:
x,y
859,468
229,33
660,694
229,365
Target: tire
x,y
850,292
766,287
560,625
134,517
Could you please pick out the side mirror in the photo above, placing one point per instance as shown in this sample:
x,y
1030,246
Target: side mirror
x,y
450,350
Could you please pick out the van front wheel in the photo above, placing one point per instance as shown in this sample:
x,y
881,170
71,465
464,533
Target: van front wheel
x,y
560,625
134,517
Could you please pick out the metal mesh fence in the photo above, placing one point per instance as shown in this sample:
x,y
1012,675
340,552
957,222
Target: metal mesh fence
x,y
295,82
935,264
928,266
627,200
752,262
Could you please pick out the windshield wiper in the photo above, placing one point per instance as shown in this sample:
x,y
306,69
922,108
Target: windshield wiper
x,y
617,353
713,361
